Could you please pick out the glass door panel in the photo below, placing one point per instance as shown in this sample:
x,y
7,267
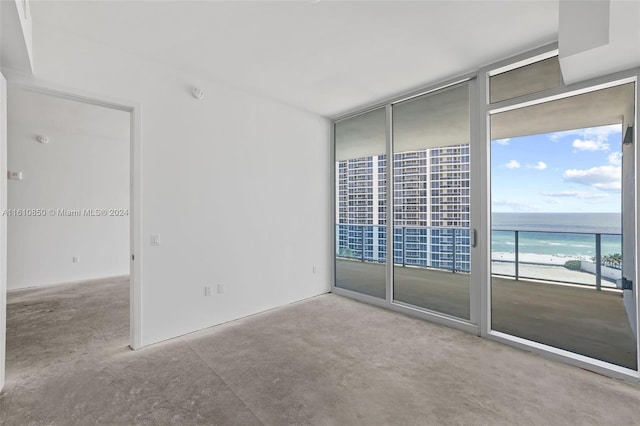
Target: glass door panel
x,y
360,205
431,251
558,224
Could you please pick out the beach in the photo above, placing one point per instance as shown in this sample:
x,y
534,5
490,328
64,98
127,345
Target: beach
x,y
534,258
544,267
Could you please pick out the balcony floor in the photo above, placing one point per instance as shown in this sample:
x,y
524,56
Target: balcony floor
x,y
581,320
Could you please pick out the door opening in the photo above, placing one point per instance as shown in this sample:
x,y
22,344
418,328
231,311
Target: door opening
x,y
73,205
563,215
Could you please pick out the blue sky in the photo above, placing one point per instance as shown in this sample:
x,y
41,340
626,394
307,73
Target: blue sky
x,y
568,171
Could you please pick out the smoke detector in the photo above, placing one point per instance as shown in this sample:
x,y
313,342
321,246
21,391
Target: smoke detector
x,y
197,93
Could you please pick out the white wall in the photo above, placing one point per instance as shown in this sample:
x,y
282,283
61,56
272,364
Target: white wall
x,y
237,187
85,166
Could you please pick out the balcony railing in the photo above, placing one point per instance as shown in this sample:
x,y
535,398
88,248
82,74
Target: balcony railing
x,y
429,247
598,254
521,254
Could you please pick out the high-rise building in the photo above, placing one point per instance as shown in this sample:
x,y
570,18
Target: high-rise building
x,y
361,211
449,204
431,208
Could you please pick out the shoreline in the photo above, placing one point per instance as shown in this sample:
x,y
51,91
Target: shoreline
x,y
547,267
536,259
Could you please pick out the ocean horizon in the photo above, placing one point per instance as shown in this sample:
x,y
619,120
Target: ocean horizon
x,y
556,234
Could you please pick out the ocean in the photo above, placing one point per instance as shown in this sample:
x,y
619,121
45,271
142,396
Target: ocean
x,y
556,234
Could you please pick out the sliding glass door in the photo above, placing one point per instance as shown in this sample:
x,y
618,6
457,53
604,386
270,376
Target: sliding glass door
x,y
431,202
562,219
504,206
360,204
428,179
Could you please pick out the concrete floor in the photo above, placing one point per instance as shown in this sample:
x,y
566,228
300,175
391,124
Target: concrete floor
x,y
323,361
581,320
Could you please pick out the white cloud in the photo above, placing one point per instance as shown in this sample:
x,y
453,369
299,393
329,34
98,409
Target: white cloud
x,y
552,201
583,195
502,141
598,201
513,164
540,166
606,178
600,133
590,145
615,158
514,206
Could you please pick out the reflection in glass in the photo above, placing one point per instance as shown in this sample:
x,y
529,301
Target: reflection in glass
x,y
431,251
361,251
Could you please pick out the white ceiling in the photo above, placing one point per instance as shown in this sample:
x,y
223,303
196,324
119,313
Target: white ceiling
x,y
327,57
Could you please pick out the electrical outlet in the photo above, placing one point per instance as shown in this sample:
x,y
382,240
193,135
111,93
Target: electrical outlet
x,y
14,175
207,290
76,259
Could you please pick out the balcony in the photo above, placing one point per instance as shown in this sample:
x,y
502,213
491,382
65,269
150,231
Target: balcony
x,y
446,192
407,171
449,160
451,168
596,265
361,202
358,196
409,200
534,296
407,155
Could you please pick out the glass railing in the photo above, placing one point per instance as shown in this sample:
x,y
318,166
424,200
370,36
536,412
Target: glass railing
x,y
593,259
428,247
569,257
366,243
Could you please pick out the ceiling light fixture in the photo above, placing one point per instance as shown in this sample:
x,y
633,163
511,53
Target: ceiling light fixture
x,y
197,93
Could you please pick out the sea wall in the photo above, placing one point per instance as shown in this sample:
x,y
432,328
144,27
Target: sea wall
x,y
606,271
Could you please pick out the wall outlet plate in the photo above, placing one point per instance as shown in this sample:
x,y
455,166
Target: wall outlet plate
x,y
14,175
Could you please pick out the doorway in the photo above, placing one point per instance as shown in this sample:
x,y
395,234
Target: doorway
x,y
74,224
563,222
